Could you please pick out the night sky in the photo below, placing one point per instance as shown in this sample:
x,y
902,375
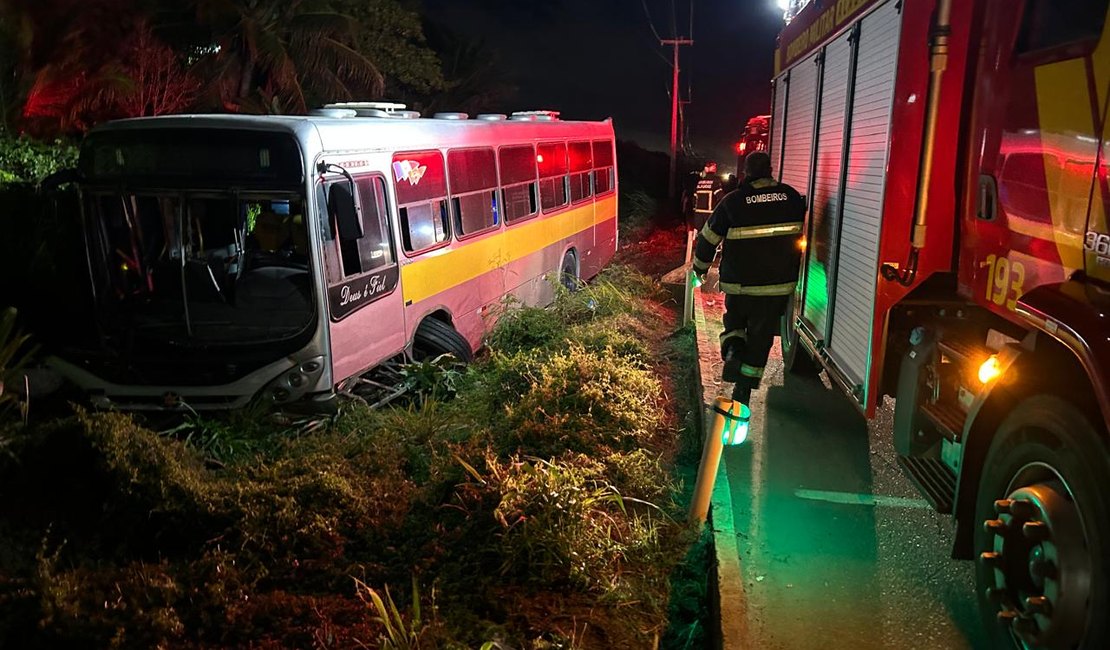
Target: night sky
x,y
592,59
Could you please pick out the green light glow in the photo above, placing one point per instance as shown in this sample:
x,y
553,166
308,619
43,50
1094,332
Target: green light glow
x,y
736,428
817,294
697,281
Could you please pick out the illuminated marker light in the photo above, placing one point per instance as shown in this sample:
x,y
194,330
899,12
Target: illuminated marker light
x,y
539,158
802,244
990,370
736,427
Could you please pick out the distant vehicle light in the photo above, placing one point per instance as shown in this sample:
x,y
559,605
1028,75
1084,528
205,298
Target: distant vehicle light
x,y
990,370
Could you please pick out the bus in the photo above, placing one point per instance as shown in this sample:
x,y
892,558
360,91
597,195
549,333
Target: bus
x,y
281,258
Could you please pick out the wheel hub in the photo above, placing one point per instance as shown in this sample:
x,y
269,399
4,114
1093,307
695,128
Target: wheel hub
x,y
1040,564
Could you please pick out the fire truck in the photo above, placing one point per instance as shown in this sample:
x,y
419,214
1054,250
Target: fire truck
x,y
953,155
754,138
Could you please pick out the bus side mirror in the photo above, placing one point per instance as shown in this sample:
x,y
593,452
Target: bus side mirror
x,y
343,212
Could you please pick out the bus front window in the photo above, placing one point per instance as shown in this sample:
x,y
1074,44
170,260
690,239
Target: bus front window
x,y
203,268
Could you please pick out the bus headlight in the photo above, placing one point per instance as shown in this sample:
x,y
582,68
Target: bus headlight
x,y
292,384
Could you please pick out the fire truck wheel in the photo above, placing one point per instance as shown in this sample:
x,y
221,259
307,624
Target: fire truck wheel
x,y
434,337
1043,542
568,271
794,357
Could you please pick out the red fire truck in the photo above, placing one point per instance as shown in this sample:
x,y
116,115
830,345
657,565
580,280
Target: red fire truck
x,y
954,159
754,138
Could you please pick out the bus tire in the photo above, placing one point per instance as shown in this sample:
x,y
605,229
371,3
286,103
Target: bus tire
x,y
1049,459
568,271
434,337
795,358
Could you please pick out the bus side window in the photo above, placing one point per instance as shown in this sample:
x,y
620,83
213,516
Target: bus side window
x,y
518,182
603,166
420,179
348,247
581,166
376,245
424,225
472,175
552,159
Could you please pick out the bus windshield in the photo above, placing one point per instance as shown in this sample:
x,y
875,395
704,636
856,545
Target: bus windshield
x,y
193,268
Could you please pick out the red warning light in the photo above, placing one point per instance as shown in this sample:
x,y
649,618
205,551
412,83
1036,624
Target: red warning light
x,y
741,146
539,158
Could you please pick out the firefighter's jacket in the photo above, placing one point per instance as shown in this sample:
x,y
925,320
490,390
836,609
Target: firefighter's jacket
x,y
760,225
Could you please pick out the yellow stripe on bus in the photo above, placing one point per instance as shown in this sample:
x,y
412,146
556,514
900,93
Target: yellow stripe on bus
x,y
440,270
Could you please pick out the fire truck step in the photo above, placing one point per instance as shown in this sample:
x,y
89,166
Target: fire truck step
x,y
936,482
962,351
949,418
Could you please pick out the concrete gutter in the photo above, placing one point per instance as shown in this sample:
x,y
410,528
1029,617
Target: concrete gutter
x,y
727,599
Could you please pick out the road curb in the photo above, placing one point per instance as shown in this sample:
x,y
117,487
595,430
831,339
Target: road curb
x,y
727,599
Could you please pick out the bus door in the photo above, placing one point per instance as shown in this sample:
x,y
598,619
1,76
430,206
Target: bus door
x,y
365,310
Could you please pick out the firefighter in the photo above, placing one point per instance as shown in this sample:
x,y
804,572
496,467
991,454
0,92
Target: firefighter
x,y
760,225
707,194
702,195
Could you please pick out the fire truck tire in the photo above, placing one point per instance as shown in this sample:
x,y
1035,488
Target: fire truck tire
x,y
1042,542
435,337
568,271
795,359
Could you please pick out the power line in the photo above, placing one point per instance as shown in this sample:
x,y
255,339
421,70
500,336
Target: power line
x,y
650,23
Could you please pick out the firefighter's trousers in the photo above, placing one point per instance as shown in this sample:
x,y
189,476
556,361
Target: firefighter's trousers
x,y
751,324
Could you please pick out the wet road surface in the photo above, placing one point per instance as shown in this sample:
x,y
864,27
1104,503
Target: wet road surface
x,y
837,549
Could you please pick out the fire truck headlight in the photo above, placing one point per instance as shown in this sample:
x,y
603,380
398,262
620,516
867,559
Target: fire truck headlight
x,y
990,370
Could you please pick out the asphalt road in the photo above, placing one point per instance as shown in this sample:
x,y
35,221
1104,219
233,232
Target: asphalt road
x,y
837,549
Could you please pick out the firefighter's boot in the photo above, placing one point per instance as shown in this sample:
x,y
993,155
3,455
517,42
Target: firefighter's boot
x,y
742,394
733,353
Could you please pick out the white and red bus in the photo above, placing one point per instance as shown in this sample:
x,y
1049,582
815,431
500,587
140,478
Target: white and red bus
x,y
235,257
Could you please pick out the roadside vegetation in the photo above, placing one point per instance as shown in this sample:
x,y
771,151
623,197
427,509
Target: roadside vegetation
x,y
529,500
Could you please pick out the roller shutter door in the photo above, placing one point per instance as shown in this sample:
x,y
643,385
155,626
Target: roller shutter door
x,y
798,147
857,253
781,90
825,206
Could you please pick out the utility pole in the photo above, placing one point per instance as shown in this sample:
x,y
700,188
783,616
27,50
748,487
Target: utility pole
x,y
675,43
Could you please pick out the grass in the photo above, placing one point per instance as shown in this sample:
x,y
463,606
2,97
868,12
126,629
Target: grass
x,y
526,501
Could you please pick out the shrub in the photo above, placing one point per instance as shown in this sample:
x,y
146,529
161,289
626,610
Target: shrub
x,y
23,159
14,355
586,402
627,279
637,209
623,335
131,606
640,475
560,522
525,328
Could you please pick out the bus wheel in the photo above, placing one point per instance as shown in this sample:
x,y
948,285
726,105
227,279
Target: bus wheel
x,y
794,357
568,271
1042,568
434,337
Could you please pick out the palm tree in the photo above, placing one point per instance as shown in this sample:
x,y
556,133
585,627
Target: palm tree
x,y
277,55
